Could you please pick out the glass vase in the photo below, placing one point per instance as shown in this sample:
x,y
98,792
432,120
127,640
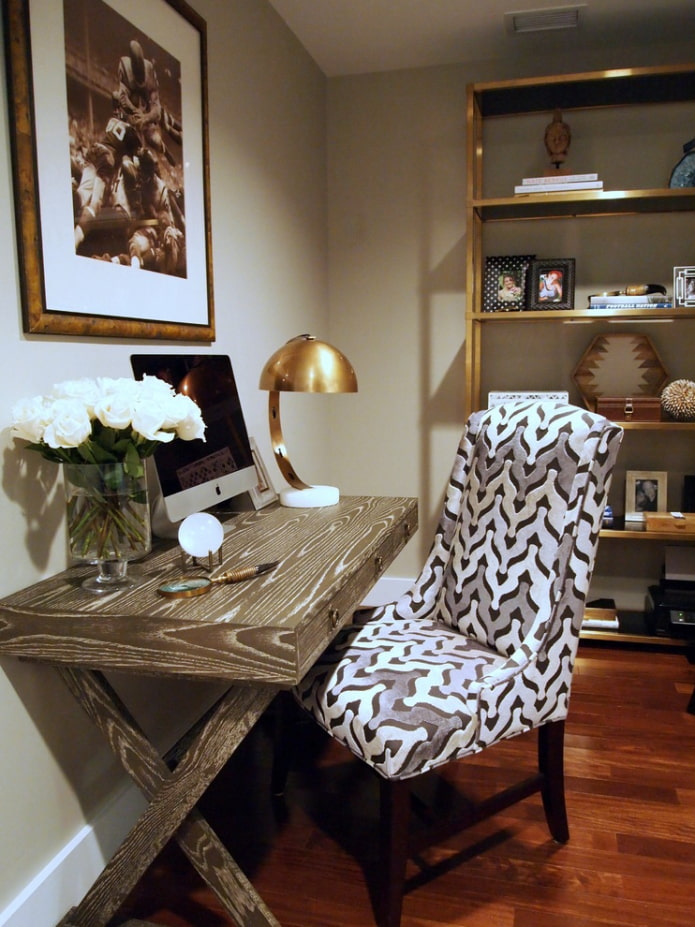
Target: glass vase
x,y
108,521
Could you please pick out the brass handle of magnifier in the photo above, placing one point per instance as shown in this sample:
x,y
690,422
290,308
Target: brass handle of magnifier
x,y
278,443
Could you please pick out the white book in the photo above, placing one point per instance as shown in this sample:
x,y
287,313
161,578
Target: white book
x,y
558,178
666,304
601,624
644,299
558,187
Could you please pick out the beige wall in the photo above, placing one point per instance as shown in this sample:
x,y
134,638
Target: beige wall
x,y
394,148
267,141
397,239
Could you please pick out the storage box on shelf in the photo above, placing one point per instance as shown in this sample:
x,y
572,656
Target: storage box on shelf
x,y
635,229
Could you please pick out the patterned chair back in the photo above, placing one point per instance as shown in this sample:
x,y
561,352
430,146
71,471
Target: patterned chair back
x,y
517,537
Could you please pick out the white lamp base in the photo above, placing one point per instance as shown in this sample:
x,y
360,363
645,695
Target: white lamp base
x,y
313,497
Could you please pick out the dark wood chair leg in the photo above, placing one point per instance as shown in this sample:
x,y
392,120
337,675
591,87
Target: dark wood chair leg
x,y
395,817
551,741
285,722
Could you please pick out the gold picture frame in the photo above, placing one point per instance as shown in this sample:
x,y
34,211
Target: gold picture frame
x,y
69,121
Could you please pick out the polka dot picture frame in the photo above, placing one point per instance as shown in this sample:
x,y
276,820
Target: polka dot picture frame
x,y
504,282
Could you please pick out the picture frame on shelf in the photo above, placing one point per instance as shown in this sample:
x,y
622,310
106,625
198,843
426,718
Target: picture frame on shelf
x,y
263,493
551,283
684,287
645,491
505,282
113,222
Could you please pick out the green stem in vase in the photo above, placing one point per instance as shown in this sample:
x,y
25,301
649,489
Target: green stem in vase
x,y
107,525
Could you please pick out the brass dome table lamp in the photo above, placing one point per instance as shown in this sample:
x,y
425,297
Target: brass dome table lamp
x,y
303,365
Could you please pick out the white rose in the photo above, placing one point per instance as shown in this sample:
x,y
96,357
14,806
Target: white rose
x,y
107,385
29,419
153,388
85,390
190,424
70,424
148,421
115,411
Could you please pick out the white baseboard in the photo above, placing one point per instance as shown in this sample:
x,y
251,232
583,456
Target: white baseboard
x,y
64,881
387,589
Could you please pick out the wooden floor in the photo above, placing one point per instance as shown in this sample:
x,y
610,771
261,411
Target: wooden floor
x,y
630,861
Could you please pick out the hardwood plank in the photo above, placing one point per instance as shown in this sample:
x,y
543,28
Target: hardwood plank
x,y
630,860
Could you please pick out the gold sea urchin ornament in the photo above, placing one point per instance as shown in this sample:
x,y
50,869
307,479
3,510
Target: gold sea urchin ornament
x,y
678,400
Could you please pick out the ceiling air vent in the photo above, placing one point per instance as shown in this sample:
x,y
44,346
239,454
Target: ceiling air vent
x,y
556,17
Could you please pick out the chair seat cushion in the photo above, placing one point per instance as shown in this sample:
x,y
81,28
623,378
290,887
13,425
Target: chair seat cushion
x,y
395,692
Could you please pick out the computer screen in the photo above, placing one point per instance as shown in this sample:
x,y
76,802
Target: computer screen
x,y
192,476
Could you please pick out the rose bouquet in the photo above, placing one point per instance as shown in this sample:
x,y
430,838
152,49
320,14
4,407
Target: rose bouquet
x,y
106,421
102,430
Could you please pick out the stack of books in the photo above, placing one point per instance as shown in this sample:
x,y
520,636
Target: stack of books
x,y
601,618
649,301
558,183
635,521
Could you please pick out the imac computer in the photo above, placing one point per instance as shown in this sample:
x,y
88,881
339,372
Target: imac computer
x,y
192,476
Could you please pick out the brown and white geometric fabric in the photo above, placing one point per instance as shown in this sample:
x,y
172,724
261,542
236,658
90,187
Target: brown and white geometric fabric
x,y
482,647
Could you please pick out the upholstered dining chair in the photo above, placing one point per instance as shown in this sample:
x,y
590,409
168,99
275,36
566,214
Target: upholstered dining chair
x,y
482,647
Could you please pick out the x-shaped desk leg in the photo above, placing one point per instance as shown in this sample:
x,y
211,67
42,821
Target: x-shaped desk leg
x,y
173,796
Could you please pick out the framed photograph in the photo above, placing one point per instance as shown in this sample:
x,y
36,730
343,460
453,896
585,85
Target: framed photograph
x,y
645,491
108,112
263,493
504,282
684,287
551,284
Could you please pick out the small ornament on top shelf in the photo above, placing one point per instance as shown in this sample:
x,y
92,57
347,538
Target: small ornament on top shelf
x,y
558,137
558,179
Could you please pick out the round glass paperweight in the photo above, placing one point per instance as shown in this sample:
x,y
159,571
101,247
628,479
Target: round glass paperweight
x,y
201,534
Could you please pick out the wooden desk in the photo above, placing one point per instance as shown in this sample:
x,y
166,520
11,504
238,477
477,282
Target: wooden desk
x,y
261,635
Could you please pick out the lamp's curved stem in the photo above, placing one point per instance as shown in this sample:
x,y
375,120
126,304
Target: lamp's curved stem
x,y
278,443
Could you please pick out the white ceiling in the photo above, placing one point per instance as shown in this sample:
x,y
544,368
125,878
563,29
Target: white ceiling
x,y
363,36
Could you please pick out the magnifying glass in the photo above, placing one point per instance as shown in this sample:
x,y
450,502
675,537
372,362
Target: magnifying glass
x,y
185,587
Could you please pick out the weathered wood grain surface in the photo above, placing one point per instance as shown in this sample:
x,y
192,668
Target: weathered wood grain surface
x,y
268,629
173,795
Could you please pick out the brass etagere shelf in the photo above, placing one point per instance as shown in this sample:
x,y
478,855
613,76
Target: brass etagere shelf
x,y
610,88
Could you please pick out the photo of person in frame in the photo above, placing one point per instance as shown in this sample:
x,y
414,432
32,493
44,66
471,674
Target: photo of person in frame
x,y
126,142
646,496
509,287
550,286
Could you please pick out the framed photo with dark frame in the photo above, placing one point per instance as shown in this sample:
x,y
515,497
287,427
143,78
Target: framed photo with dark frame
x,y
551,284
108,121
645,491
684,287
504,282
